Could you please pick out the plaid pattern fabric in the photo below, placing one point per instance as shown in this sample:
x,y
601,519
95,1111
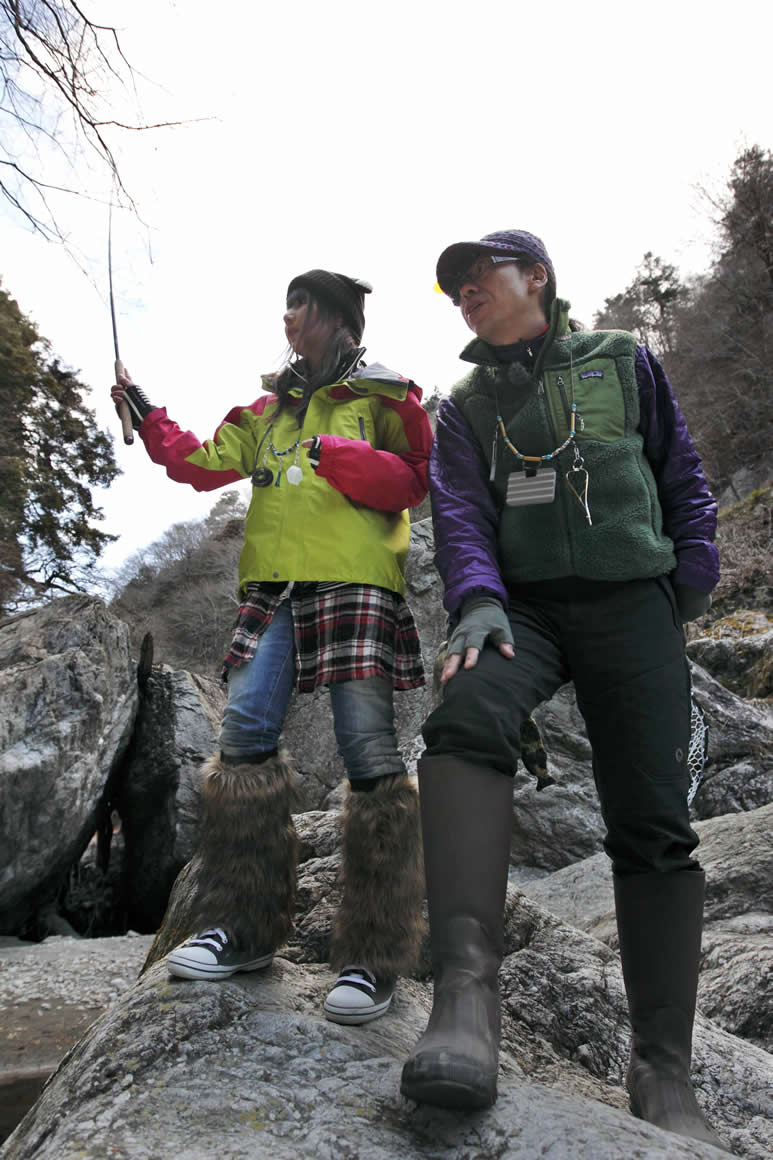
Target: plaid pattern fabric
x,y
343,632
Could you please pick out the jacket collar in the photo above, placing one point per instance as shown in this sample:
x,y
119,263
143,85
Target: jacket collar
x,y
483,354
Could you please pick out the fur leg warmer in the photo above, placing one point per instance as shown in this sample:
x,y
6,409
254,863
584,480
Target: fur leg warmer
x,y
379,922
248,853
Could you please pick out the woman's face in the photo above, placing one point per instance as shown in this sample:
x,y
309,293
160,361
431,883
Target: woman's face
x,y
307,333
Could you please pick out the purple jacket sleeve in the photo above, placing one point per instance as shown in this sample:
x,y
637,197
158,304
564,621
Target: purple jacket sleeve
x,y
689,508
464,514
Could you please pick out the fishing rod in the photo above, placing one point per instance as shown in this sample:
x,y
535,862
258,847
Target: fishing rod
x,y
123,407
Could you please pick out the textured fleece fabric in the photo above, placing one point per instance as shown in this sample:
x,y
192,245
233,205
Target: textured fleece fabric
x,y
652,510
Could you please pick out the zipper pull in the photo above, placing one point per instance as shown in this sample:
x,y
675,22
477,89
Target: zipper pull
x,y
493,471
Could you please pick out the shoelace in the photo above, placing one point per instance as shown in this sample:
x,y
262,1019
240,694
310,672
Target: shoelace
x,y
215,937
358,975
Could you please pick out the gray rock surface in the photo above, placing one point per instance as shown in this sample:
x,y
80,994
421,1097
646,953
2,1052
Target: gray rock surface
x,y
50,993
68,698
249,1067
739,773
740,660
736,852
158,798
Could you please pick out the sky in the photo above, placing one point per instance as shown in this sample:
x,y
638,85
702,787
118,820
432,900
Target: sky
x,y
365,138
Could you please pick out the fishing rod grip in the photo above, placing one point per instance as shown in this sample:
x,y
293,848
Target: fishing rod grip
x,y
123,409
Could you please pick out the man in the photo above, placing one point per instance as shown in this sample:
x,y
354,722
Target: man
x,y
574,534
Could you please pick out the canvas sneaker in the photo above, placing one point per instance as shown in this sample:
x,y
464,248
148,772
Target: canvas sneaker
x,y
358,996
209,955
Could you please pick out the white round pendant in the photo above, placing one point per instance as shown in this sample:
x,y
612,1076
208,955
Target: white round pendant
x,y
294,474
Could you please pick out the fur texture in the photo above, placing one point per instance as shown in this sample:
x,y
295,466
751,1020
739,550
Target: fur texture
x,y
379,923
248,852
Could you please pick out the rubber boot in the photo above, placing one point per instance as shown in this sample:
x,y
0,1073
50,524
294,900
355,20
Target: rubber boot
x,y
379,925
466,813
659,922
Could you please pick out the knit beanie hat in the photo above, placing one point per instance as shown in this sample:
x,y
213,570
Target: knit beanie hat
x,y
456,260
345,295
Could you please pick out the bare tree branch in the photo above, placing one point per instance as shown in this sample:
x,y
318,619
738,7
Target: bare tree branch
x,y
54,58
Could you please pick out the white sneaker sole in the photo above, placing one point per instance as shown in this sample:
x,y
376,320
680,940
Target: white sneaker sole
x,y
180,967
352,1017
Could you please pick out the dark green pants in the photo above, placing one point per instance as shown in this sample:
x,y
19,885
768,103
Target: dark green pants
x,y
623,646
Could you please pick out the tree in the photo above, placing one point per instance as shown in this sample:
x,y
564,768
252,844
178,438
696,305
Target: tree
x,y
51,454
183,588
715,334
648,306
726,337
61,74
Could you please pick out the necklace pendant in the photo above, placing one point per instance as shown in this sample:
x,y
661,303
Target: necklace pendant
x,y
262,477
294,474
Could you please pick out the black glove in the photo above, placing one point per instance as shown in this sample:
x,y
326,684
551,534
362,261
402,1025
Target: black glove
x,y
691,602
483,618
315,452
138,403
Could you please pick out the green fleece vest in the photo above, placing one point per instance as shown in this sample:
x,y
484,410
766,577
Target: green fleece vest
x,y
595,370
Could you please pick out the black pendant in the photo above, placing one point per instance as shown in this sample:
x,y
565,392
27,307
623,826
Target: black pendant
x,y
262,477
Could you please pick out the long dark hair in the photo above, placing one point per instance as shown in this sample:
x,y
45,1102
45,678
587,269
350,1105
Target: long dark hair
x,y
340,353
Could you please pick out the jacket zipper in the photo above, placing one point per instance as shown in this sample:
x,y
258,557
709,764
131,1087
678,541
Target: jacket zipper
x,y
564,399
361,421
559,496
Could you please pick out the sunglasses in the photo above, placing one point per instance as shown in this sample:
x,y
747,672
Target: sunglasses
x,y
477,272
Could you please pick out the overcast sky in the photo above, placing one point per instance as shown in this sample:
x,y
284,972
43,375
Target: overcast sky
x,y
366,137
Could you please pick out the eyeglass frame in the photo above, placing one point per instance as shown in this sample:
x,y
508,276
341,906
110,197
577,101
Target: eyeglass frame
x,y
491,260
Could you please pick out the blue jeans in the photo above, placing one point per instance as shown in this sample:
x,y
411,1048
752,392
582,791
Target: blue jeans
x,y
259,695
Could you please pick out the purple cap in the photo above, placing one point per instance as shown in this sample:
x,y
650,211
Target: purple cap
x,y
457,259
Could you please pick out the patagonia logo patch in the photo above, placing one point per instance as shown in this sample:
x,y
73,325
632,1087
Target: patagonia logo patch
x,y
591,374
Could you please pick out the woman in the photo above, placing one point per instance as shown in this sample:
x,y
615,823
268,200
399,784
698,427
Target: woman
x,y
337,452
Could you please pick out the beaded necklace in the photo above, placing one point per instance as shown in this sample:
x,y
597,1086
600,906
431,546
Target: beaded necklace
x,y
579,485
263,476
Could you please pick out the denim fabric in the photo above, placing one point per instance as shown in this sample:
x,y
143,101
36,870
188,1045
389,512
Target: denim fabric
x,y
259,694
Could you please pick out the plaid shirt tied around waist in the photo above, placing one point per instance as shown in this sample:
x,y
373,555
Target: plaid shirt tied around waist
x,y
343,632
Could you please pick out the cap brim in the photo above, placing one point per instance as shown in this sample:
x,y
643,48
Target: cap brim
x,y
459,257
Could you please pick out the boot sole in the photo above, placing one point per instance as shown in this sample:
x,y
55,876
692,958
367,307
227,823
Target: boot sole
x,y
350,1018
450,1087
180,969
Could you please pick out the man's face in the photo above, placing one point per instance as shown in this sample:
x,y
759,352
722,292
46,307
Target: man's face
x,y
497,299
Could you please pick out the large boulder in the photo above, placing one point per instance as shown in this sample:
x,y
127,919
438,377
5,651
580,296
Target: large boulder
x,y
158,797
738,651
736,852
250,1067
68,699
739,773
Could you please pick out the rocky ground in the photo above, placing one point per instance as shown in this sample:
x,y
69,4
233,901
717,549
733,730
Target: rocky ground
x,y
68,982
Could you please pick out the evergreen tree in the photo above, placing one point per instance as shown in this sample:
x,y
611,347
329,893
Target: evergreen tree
x,y
51,454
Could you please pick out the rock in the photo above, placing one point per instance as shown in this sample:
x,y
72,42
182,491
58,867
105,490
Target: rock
x,y
739,773
249,1067
736,853
68,698
736,986
562,823
740,659
51,992
177,728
